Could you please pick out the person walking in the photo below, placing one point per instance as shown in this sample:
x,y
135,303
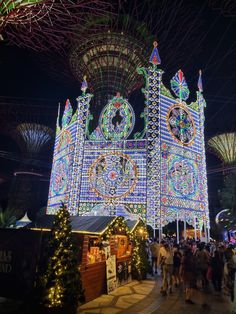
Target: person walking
x,y
167,266
202,261
188,274
229,271
154,249
176,265
217,265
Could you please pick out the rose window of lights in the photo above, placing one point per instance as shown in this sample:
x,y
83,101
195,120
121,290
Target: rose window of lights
x,y
113,175
181,125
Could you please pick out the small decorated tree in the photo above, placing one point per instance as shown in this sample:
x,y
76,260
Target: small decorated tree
x,y
62,282
140,264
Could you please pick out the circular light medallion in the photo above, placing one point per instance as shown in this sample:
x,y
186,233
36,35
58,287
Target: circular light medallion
x,y
181,125
113,175
183,178
117,119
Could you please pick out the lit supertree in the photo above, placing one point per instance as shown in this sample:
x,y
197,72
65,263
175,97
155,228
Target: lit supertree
x,y
32,137
109,61
27,122
122,42
226,8
46,24
110,58
224,146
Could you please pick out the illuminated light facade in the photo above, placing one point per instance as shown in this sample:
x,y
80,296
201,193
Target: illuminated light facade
x,y
159,174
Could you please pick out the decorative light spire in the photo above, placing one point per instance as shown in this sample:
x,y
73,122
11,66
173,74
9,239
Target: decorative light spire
x,y
155,57
84,85
58,115
67,115
199,83
179,86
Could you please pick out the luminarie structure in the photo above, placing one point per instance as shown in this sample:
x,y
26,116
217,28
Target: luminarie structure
x,y
157,174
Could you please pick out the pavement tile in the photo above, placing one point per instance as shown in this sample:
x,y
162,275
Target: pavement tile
x,y
122,291
144,289
104,300
132,283
126,301
110,310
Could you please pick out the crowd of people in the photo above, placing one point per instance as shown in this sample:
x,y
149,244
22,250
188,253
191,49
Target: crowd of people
x,y
193,265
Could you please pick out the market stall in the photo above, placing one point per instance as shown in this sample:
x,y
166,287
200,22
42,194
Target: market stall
x,y
101,239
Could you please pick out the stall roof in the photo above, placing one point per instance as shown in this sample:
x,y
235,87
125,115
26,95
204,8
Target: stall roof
x,y
79,224
132,224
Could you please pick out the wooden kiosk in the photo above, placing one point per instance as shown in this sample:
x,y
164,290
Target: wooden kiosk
x,y
98,238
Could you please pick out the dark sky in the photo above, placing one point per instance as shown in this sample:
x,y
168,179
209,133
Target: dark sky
x,y
207,40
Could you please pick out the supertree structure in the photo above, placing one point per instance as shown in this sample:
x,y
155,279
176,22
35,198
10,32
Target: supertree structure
x,y
109,61
29,124
33,137
110,55
17,110
226,8
45,24
224,146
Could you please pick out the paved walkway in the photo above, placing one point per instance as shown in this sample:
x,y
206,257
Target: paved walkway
x,y
144,298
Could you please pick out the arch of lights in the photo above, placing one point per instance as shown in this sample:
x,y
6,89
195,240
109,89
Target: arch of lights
x,y
158,174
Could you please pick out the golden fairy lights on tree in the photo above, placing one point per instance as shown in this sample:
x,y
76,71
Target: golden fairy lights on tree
x,y
140,264
62,283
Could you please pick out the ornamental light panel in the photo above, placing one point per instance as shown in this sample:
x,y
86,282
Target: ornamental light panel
x,y
157,174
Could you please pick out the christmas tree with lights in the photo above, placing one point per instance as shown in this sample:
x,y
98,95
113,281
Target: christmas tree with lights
x,y
62,282
139,262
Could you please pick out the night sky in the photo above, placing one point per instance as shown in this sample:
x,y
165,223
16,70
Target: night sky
x,y
206,41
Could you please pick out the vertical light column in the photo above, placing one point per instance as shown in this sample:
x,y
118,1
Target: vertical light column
x,y
195,228
185,230
202,104
177,228
153,147
151,91
75,184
